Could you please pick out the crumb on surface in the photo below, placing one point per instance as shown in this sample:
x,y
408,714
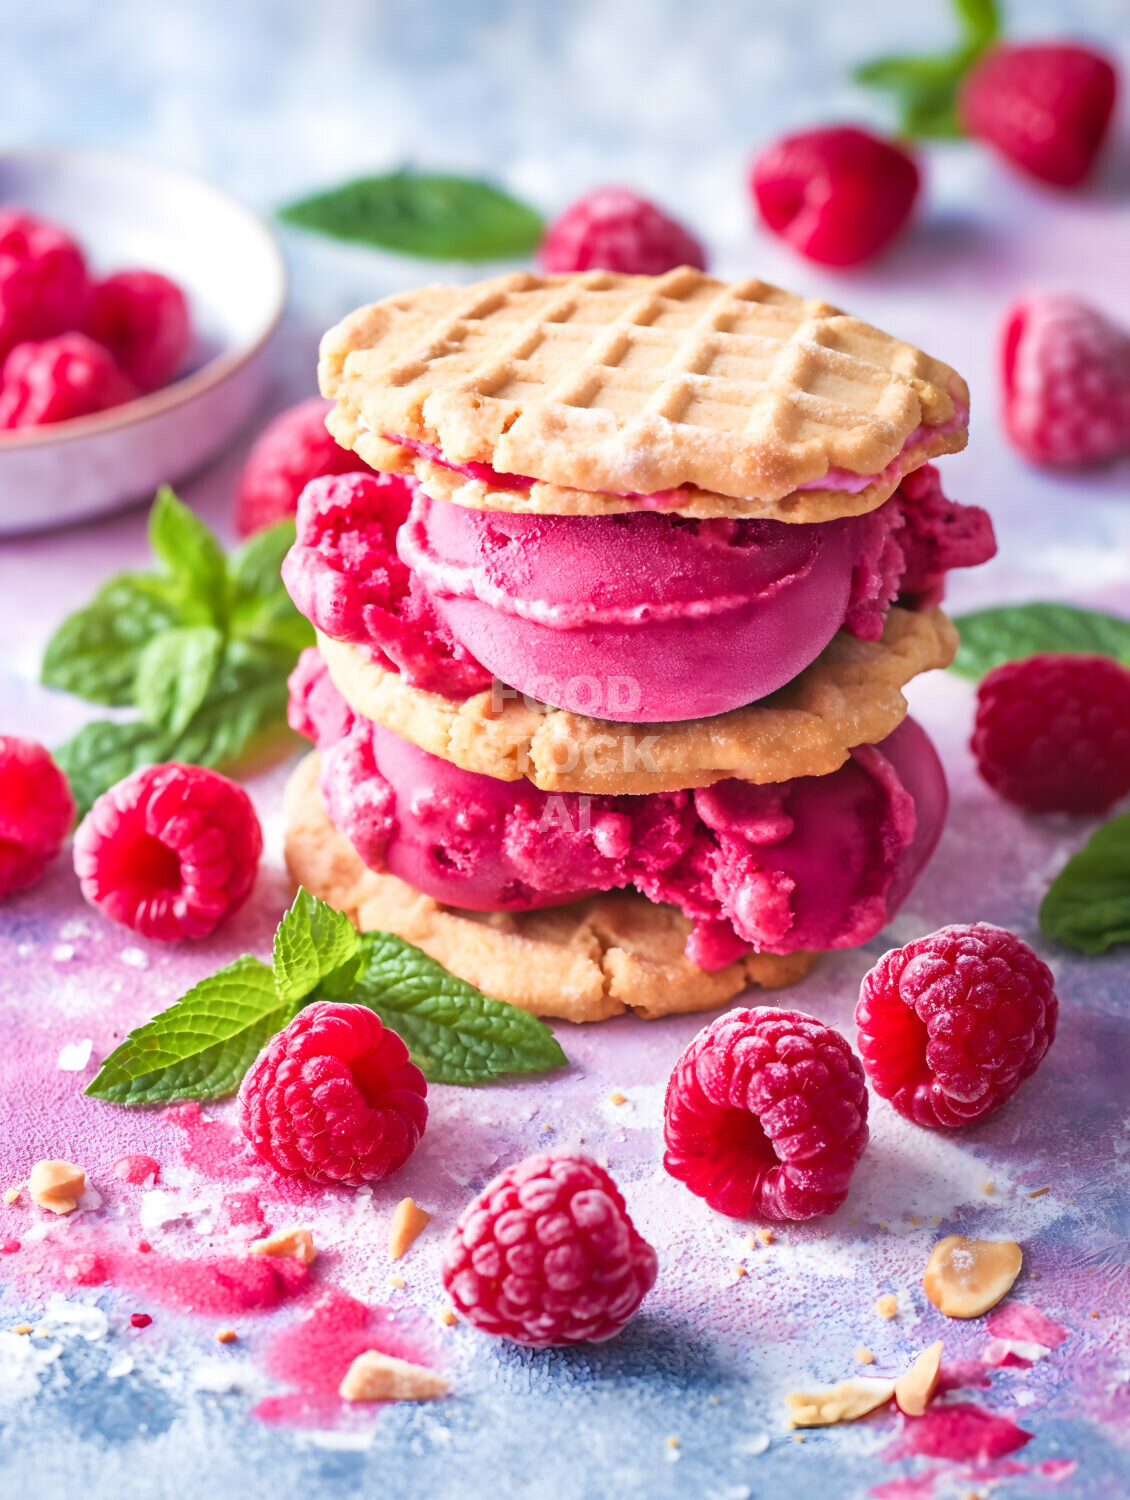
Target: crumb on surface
x,y
672,1442
887,1306
380,1377
11,1195
988,1186
914,1389
297,1244
616,1097
1039,1193
397,1283
740,1270
22,1328
408,1222
863,1355
56,1185
226,1336
448,1317
845,1402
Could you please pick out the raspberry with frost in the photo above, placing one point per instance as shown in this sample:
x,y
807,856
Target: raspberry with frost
x,y
292,451
614,229
171,851
546,1255
334,1098
766,1115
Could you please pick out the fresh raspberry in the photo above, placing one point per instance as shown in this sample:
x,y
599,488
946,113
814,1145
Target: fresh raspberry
x,y
1046,107
292,451
766,1115
614,229
142,318
36,812
333,1097
952,1024
1066,375
1052,733
44,288
170,851
546,1255
838,195
60,378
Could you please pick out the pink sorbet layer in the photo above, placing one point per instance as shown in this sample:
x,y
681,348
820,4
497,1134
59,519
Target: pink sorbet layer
x,y
814,863
638,617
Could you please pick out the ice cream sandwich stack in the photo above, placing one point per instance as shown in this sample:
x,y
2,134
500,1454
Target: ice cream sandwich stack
x,y
613,625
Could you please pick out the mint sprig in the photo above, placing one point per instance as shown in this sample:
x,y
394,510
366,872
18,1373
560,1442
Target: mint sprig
x,y
201,648
990,637
202,1046
925,86
433,215
1087,906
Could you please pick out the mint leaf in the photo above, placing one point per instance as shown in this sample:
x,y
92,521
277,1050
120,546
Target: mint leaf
x,y
433,215
1088,904
201,1047
261,609
314,943
925,87
174,673
190,553
103,752
95,651
454,1033
1014,631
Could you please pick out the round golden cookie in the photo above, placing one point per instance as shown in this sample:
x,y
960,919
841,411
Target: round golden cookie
x,y
605,389
850,695
583,962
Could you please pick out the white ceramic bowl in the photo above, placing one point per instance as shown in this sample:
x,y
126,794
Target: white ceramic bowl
x,y
127,212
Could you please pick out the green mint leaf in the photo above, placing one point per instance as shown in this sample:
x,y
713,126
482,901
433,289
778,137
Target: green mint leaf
x,y
95,651
925,88
1088,903
201,1047
103,752
261,609
314,943
1014,631
432,215
191,555
454,1033
174,673
246,701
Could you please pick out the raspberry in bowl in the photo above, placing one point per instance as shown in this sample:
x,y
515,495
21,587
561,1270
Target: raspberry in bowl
x,y
128,354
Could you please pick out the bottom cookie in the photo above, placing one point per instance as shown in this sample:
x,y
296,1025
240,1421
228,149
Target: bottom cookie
x,y
587,961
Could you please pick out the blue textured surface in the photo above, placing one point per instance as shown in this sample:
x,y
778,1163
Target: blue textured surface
x,y
272,99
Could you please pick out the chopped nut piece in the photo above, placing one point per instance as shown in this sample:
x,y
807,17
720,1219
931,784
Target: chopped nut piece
x,y
397,1283
227,1336
448,1317
409,1221
296,1243
380,1377
839,1403
864,1356
616,1097
11,1195
965,1277
56,1185
887,1306
914,1389
22,1328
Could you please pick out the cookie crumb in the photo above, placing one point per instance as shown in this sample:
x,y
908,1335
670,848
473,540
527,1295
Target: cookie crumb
x,y
672,1442
863,1355
56,1185
22,1328
1039,1193
226,1336
964,1277
988,1186
766,1236
914,1390
845,1402
1093,1315
379,1377
616,1097
448,1317
298,1244
409,1221
740,1270
397,1283
11,1195
887,1306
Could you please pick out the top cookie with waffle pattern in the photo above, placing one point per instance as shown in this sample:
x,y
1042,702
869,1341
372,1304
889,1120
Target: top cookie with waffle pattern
x,y
613,392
